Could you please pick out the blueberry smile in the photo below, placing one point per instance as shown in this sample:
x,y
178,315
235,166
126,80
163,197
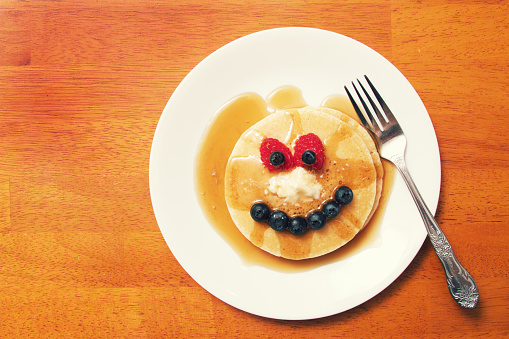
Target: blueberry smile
x,y
297,225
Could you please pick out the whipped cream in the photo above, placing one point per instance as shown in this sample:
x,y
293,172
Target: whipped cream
x,y
298,185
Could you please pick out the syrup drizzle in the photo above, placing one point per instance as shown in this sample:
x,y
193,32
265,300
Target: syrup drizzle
x,y
228,124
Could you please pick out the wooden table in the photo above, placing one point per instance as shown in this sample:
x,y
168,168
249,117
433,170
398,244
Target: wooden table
x,y
82,86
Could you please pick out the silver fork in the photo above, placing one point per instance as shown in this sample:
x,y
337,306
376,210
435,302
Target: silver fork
x,y
392,143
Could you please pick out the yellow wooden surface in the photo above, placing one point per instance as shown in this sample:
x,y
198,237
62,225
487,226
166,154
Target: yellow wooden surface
x,y
82,86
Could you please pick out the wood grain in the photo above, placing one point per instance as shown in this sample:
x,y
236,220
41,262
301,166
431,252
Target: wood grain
x,y
82,86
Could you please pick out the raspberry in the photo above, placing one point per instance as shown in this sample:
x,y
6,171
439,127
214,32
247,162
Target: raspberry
x,y
269,146
309,151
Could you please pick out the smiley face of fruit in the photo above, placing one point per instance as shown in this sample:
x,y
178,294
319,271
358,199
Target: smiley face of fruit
x,y
309,154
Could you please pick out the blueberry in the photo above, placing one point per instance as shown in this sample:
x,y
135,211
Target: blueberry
x,y
298,225
309,157
343,195
331,208
260,212
316,220
277,158
278,220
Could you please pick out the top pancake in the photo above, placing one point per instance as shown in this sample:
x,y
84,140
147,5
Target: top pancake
x,y
348,161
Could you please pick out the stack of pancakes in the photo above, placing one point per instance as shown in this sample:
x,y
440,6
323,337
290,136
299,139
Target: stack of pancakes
x,y
351,159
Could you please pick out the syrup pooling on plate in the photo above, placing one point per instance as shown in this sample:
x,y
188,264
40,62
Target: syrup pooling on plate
x,y
286,97
229,123
218,141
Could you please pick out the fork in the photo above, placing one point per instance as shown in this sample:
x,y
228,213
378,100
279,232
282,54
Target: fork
x,y
392,144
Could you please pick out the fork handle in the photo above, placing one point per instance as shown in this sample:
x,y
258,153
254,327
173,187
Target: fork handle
x,y
461,284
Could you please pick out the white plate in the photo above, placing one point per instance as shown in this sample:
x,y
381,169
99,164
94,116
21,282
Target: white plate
x,y
320,63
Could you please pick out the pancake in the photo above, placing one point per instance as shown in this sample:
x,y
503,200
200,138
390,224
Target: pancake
x,y
349,161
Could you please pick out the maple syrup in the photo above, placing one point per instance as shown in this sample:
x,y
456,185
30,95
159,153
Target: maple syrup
x,y
218,141
286,97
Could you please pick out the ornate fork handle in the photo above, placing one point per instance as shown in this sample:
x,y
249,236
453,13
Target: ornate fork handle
x,y
461,284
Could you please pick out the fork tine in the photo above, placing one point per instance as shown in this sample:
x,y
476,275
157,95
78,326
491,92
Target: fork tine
x,y
374,125
380,117
387,111
357,109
